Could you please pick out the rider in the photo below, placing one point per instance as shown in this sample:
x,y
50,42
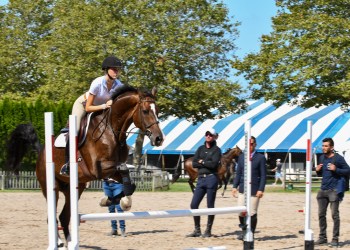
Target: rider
x,y
97,98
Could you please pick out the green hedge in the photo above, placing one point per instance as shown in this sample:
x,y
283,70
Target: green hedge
x,y
13,113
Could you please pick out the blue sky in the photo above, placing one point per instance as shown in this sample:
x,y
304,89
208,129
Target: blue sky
x,y
255,17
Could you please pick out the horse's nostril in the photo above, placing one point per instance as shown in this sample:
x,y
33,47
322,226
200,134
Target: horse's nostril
x,y
159,140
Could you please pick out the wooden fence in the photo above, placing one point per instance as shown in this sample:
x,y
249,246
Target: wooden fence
x,y
27,181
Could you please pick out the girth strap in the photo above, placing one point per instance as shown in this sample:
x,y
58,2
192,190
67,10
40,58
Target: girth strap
x,y
84,168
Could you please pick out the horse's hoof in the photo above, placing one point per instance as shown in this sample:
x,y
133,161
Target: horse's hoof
x,y
105,202
125,203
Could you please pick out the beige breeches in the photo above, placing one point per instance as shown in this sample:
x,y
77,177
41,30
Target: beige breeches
x,y
254,204
79,109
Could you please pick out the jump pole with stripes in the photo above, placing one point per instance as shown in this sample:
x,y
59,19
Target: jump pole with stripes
x,y
76,217
248,239
74,186
308,233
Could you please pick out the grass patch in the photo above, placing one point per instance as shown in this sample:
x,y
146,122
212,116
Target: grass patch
x,y
179,187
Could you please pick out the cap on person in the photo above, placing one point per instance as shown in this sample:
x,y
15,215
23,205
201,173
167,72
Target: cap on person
x,y
278,160
210,131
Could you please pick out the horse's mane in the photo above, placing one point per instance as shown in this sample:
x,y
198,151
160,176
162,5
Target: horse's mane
x,y
121,90
227,151
127,88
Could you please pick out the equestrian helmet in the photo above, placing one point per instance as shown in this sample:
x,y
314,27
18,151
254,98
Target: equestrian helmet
x,y
111,62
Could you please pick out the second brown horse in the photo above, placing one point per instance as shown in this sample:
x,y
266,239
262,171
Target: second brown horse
x,y
225,169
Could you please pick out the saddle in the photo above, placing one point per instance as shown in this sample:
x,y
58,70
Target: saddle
x,y
61,139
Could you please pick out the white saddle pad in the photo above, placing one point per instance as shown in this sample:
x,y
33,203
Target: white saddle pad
x,y
60,141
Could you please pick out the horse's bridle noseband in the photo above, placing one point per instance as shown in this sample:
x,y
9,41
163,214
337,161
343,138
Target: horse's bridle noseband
x,y
147,131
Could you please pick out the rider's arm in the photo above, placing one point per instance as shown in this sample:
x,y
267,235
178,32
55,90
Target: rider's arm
x,y
91,108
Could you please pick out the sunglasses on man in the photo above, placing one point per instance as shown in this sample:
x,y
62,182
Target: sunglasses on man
x,y
208,134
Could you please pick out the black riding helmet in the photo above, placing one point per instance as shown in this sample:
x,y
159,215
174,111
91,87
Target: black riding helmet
x,y
111,62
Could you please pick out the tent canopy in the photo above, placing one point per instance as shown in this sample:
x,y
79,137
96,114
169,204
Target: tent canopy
x,y
280,129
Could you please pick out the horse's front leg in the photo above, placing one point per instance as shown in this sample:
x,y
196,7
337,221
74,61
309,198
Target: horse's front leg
x,y
190,182
128,185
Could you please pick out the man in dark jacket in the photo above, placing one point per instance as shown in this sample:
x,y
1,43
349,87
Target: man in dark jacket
x,y
258,181
206,160
333,169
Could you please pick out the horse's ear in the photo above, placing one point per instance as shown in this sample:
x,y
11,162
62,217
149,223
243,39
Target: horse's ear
x,y
237,147
154,91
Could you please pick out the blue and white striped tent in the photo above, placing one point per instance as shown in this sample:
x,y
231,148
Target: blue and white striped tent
x,y
280,129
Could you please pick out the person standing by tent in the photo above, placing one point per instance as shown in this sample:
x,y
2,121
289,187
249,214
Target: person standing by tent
x,y
278,172
258,182
206,160
335,181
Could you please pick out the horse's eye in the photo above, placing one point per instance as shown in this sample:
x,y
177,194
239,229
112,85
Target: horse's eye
x,y
145,111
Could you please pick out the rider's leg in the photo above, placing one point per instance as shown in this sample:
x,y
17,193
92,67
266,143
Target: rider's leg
x,y
65,167
78,110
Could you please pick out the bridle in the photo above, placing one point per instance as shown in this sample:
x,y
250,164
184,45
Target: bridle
x,y
139,107
148,132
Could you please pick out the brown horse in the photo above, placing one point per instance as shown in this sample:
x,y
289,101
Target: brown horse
x,y
224,172
105,146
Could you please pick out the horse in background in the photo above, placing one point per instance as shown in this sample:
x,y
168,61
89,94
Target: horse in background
x,y
23,137
225,169
103,153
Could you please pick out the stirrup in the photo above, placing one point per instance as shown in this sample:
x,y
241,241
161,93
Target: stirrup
x,y
64,130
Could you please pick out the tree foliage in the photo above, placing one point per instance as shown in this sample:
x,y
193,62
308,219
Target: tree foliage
x,y
53,50
307,55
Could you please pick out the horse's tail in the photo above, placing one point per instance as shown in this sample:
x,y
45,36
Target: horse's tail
x,y
177,173
22,138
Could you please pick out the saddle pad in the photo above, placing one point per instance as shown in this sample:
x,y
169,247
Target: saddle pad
x,y
60,141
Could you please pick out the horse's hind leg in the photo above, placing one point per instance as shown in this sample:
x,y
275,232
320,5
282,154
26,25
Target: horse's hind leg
x,y
65,213
224,189
44,191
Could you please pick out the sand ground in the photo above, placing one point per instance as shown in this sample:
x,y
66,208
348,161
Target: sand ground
x,y
23,223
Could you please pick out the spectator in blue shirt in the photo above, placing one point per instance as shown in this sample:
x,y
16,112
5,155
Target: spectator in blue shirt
x,y
333,169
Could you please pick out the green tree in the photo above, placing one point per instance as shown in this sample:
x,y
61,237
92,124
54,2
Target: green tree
x,y
23,25
181,47
307,54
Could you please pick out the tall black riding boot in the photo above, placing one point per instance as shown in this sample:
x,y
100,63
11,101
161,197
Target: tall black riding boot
x,y
197,227
254,222
65,167
207,232
242,225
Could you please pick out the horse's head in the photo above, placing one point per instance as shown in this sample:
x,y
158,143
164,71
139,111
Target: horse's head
x,y
232,153
132,105
147,118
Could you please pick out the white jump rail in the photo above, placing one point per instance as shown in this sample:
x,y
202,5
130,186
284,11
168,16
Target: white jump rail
x,y
161,214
